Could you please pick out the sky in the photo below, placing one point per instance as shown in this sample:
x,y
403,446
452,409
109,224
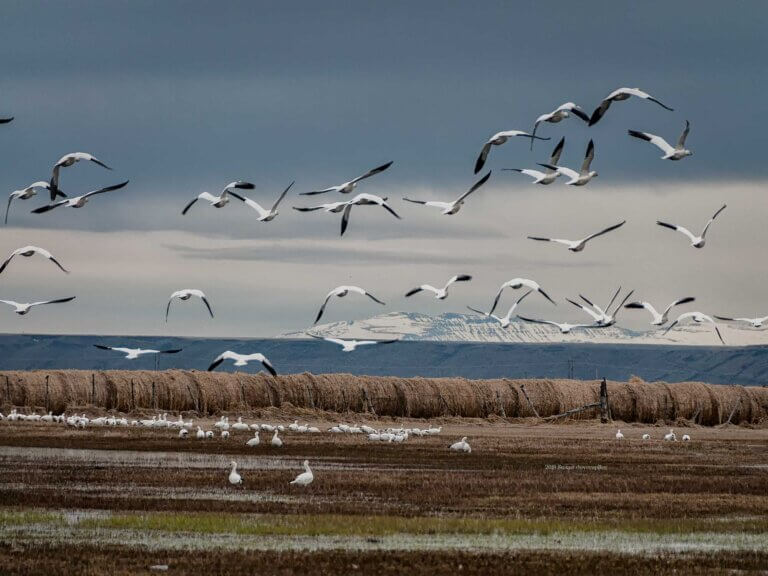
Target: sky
x,y
184,97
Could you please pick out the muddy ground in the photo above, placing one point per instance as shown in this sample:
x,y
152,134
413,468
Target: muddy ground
x,y
535,498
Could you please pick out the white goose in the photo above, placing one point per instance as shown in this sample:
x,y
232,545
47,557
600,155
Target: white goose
x,y
550,175
364,200
29,192
558,114
646,436
677,152
671,437
603,318
440,293
28,252
234,478
70,160
267,215
348,187
242,360
516,284
186,294
78,201
505,321
341,292
450,208
222,199
461,446
696,241
276,442
134,353
619,435
23,308
578,245
619,95
254,441
754,322
351,345
564,327
240,426
497,140
697,317
659,319
306,477
583,176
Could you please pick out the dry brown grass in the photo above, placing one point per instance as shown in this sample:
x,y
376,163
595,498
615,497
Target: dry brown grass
x,y
211,393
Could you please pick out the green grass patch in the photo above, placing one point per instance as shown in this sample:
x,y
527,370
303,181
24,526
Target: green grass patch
x,y
23,517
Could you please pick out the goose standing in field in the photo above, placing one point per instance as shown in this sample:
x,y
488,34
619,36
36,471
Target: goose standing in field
x,y
578,245
618,96
505,321
341,292
659,319
351,344
224,434
671,436
450,208
696,241
697,317
240,426
234,478
584,175
23,308
186,294
564,327
349,187
440,293
28,252
678,152
461,446
619,435
200,435
183,433
254,441
646,436
497,140
754,322
516,284
78,201
222,199
134,353
276,442
686,438
560,113
67,161
267,215
364,200
27,193
242,360
551,174
306,477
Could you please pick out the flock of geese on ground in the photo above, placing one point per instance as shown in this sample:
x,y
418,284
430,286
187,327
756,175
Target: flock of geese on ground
x,y
550,171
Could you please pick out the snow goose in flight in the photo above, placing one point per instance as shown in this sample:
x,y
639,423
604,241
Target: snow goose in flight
x,y
23,308
267,215
351,344
461,446
450,208
27,193
505,321
551,174
582,177
618,96
331,207
516,284
306,477
134,353
222,199
659,319
696,241
78,201
242,360
564,327
348,187
677,152
497,140
560,113
754,322
186,294
340,292
578,245
67,161
603,317
364,200
440,293
697,317
28,252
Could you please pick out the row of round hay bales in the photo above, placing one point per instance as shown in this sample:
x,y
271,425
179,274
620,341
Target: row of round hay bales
x,y
212,393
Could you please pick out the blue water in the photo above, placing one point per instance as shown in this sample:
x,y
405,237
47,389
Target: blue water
x,y
719,365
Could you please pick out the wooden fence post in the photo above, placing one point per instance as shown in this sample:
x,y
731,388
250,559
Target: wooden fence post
x,y
8,390
133,396
522,387
736,406
93,388
154,396
501,405
47,377
368,403
605,410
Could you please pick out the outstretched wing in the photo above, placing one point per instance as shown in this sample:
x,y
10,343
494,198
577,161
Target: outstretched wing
x,y
415,201
475,186
684,135
558,150
685,300
704,233
413,291
371,172
605,231
106,189
600,111
482,157
322,308
588,157
680,229
280,199
657,141
345,218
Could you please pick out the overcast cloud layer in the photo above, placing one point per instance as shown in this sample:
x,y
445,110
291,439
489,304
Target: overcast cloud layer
x,y
185,97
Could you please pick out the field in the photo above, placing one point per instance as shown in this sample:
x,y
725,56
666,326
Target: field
x,y
531,497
